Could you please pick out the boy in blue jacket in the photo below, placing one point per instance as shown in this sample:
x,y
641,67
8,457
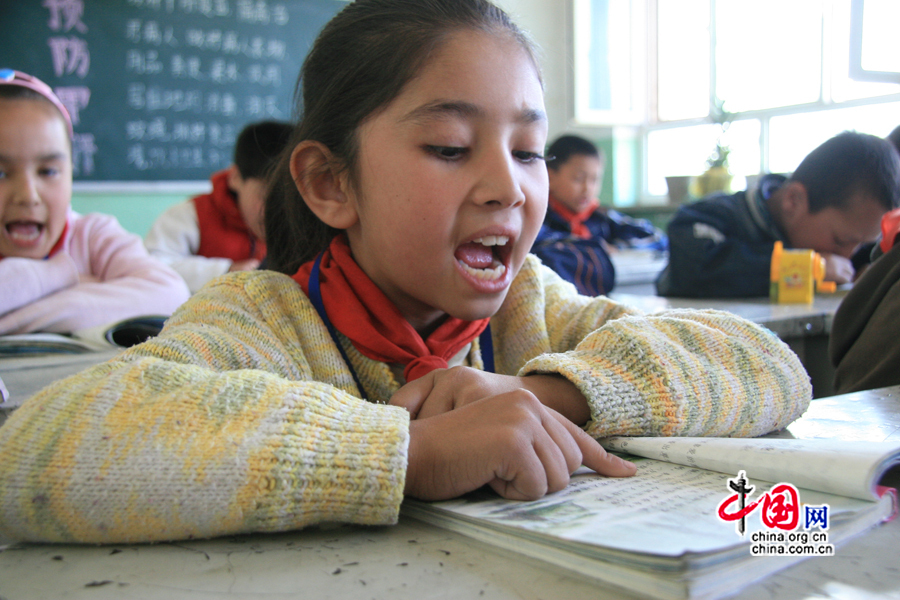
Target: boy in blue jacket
x,y
578,235
721,246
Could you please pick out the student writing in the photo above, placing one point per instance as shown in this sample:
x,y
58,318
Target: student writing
x,y
400,226
722,245
61,271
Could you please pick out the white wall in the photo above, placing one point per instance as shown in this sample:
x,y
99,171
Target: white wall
x,y
546,22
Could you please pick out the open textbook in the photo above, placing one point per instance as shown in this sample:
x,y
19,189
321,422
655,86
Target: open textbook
x,y
121,334
660,532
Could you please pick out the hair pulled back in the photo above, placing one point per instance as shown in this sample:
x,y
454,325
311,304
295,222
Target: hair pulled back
x,y
359,63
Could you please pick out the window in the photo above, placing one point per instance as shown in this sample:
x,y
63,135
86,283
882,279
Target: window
x,y
780,70
610,60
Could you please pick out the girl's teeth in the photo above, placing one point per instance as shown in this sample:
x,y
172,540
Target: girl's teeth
x,y
24,232
485,274
492,240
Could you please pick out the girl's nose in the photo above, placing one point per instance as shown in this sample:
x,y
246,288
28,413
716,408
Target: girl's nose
x,y
25,192
499,182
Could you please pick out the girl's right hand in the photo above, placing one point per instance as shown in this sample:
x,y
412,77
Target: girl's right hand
x,y
511,441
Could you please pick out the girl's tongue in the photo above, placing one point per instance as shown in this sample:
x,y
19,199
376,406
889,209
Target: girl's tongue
x,y
24,231
475,255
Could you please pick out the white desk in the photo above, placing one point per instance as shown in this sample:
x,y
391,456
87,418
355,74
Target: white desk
x,y
804,327
637,270
26,375
415,561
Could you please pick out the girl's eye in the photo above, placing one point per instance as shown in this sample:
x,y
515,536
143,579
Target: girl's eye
x,y
527,157
447,152
49,172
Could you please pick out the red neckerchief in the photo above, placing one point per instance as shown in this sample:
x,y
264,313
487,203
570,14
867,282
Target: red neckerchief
x,y
890,226
361,311
57,246
575,220
223,232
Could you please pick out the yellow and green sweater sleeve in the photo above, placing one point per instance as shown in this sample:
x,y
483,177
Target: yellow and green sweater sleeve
x,y
678,373
220,425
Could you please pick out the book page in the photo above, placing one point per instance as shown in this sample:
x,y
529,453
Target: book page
x,y
665,510
848,468
21,344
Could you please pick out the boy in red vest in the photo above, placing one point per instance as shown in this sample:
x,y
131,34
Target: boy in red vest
x,y
222,231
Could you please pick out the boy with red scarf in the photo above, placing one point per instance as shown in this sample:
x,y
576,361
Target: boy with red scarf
x,y
578,236
222,231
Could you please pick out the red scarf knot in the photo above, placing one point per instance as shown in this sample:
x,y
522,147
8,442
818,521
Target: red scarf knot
x,y
361,311
575,220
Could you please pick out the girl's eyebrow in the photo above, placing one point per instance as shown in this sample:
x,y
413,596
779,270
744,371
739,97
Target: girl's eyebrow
x,y
445,109
42,158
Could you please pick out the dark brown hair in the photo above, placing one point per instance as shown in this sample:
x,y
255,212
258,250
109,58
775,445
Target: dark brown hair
x,y
259,146
847,164
360,62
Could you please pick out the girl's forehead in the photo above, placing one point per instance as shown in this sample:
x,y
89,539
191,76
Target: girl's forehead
x,y
28,125
491,68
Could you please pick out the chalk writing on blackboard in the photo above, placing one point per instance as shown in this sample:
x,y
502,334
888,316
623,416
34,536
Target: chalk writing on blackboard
x,y
159,89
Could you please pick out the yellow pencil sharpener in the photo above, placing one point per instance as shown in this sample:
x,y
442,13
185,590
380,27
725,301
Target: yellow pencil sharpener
x,y
797,275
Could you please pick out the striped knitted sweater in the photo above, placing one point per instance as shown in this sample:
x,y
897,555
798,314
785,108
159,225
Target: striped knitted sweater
x,y
242,416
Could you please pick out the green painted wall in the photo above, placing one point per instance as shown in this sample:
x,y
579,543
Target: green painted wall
x,y
136,212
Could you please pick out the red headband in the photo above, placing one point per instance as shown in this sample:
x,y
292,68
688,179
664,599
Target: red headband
x,y
20,79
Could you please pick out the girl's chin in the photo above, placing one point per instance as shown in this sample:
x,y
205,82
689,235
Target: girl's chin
x,y
17,250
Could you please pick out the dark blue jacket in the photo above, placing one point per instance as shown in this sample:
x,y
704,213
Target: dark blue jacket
x,y
585,262
721,246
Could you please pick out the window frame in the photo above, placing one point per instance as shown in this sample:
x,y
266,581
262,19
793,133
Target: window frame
x,y
644,120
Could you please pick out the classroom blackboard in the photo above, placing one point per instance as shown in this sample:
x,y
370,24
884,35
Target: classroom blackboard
x,y
159,89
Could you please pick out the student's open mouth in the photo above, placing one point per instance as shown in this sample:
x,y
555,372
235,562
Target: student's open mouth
x,y
485,258
24,232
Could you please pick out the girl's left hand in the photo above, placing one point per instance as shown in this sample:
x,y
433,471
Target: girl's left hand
x,y
444,390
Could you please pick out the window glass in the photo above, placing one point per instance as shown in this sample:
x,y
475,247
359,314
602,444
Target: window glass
x,y
764,60
610,61
842,87
683,59
792,137
684,151
879,36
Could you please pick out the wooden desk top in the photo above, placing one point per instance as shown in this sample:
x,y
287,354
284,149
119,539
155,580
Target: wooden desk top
x,y
24,376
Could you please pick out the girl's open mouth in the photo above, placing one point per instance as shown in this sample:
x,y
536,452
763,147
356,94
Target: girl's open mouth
x,y
485,258
24,232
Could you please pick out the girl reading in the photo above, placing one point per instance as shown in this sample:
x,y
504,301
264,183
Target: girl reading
x,y
406,341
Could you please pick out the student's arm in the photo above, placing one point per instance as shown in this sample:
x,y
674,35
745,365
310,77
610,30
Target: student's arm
x,y
117,280
214,427
27,280
174,238
706,259
634,232
585,263
680,373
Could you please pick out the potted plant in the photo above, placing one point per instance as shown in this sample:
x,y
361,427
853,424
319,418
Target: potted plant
x,y
717,177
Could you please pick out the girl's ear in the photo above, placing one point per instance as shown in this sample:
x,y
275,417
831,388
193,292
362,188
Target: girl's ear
x,y
322,184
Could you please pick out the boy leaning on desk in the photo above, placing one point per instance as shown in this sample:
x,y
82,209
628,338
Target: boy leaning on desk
x,y
721,246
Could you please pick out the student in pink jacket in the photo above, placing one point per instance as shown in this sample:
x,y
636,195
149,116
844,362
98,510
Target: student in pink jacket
x,y
60,271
